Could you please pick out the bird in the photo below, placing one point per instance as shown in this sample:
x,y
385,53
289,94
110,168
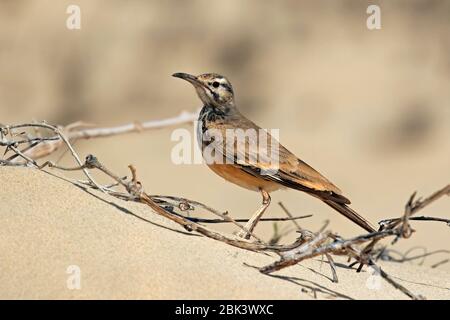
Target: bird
x,y
237,162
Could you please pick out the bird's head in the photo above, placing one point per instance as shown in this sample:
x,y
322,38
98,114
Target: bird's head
x,y
213,89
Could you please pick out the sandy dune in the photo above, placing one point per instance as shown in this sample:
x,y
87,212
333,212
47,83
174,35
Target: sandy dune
x,y
124,250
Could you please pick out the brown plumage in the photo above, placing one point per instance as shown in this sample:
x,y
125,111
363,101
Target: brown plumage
x,y
240,162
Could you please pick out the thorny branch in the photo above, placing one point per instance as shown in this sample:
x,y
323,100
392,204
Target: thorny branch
x,y
308,245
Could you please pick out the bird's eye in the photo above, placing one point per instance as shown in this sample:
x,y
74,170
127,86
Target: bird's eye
x,y
215,84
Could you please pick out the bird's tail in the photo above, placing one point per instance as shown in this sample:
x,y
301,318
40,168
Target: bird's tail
x,y
350,214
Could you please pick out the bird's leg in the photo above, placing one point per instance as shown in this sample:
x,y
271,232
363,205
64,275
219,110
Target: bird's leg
x,y
251,224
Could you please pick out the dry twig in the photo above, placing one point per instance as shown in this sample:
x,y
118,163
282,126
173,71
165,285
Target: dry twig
x,y
307,246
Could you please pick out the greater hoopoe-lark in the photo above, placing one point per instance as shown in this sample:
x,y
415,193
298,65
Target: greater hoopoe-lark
x,y
220,113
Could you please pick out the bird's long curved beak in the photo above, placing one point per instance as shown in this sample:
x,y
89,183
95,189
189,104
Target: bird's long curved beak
x,y
188,77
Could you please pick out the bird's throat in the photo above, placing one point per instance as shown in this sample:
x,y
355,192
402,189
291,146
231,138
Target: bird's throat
x,y
213,112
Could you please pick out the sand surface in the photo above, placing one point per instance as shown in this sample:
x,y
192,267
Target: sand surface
x,y
368,109
124,250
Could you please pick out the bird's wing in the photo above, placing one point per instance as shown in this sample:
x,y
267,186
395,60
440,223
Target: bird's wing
x,y
253,153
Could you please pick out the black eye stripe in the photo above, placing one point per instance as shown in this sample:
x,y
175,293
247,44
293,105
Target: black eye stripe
x,y
217,84
226,86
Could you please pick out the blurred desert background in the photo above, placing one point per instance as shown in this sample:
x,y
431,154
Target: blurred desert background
x,y
370,109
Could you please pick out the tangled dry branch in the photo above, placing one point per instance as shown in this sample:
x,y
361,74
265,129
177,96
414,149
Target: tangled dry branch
x,y
26,148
